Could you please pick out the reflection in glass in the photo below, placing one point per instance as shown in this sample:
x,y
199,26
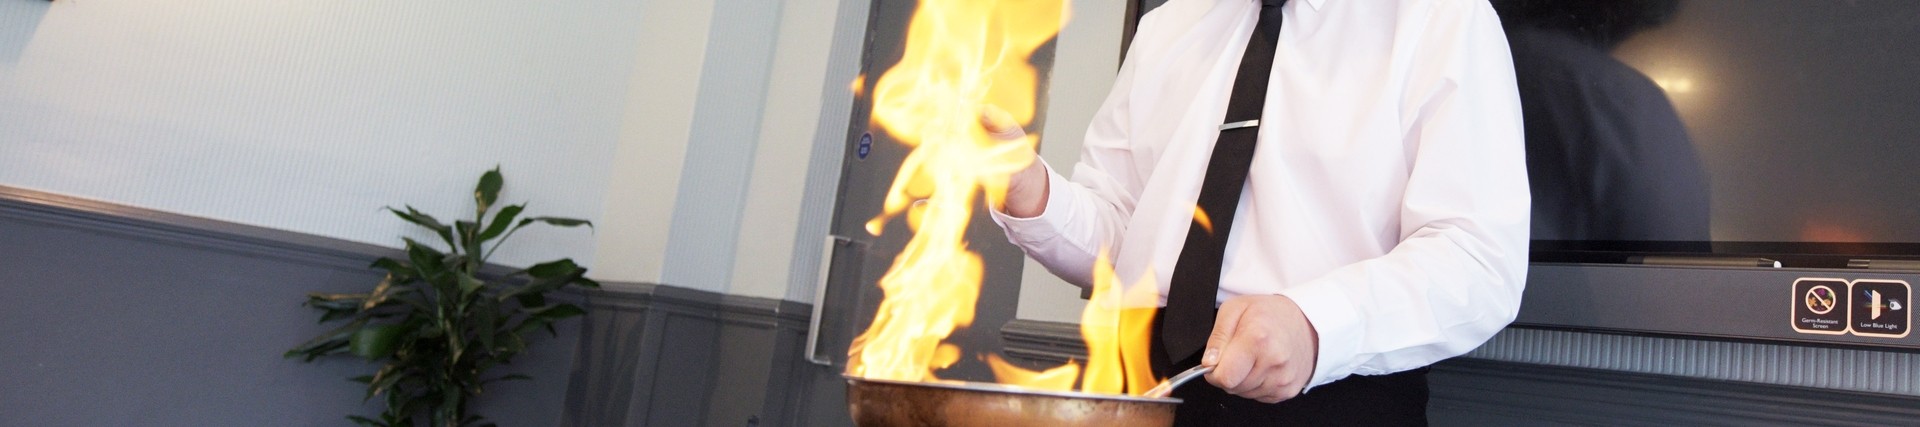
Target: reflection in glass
x,y
1786,121
1608,156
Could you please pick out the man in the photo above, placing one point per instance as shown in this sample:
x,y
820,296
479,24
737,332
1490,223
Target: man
x,y
1370,219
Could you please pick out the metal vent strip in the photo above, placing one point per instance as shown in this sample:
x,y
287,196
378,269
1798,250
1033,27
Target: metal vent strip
x,y
1815,367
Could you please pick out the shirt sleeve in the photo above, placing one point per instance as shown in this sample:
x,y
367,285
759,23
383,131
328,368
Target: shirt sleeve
x,y
1090,211
1456,276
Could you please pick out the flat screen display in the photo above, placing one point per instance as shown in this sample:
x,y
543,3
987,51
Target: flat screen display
x,y
1723,126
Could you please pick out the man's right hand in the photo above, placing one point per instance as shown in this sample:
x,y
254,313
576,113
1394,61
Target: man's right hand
x,y
1027,190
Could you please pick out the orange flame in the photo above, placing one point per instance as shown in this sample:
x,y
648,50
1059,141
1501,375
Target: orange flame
x,y
962,56
1117,325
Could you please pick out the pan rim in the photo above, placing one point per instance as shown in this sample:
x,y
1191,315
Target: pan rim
x,y
1014,390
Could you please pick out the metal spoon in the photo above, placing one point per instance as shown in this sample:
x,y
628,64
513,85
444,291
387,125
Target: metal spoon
x,y
1165,388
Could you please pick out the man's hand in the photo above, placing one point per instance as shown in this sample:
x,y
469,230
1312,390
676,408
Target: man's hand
x,y
1027,191
1262,348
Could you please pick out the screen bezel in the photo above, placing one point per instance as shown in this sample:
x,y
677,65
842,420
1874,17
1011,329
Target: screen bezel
x,y
1790,254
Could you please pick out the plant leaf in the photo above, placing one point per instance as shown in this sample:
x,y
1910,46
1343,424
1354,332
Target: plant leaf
x,y
544,317
485,193
428,264
319,345
422,219
487,323
449,402
501,221
557,311
469,284
364,421
335,314
375,342
423,257
510,377
466,232
531,299
557,221
555,268
336,305
401,272
380,293
547,276
383,381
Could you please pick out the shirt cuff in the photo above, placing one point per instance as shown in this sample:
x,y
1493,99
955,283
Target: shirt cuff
x,y
1336,322
1049,223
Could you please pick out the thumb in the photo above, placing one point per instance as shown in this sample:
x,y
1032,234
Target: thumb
x,y
1000,124
1224,325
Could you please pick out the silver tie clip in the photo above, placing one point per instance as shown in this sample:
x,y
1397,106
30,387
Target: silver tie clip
x,y
1237,125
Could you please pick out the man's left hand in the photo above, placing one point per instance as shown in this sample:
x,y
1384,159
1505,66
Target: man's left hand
x,y
1262,348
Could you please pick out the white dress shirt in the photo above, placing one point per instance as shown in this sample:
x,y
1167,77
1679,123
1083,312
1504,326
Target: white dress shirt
x,y
1388,195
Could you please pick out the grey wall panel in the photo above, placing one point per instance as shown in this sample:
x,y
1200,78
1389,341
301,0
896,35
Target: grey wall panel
x,y
613,351
654,355
677,387
759,347
1819,367
117,316
647,357
1468,392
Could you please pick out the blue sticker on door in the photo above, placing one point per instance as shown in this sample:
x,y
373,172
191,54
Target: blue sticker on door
x,y
865,147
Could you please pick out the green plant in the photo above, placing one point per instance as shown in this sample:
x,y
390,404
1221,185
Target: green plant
x,y
437,323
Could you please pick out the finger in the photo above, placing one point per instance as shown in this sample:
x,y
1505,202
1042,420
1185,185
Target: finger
x,y
1000,124
1284,391
1269,396
1271,388
1233,370
1232,359
1260,379
1271,399
1224,325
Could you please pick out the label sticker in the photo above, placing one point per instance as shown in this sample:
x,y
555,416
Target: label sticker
x,y
1820,306
1879,308
865,147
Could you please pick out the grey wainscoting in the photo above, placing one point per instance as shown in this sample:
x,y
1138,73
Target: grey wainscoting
x,y
1483,392
654,355
119,316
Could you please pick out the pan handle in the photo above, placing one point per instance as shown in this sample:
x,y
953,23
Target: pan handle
x,y
833,242
1166,387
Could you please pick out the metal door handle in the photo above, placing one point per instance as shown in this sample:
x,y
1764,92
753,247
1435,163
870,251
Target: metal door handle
x,y
832,243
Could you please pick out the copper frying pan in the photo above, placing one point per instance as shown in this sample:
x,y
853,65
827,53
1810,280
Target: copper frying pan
x,y
877,403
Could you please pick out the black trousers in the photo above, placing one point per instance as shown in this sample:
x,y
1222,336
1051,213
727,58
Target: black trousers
x,y
1398,399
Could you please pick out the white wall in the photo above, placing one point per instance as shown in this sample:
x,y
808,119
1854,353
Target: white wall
x,y
645,176
308,115
808,103
745,214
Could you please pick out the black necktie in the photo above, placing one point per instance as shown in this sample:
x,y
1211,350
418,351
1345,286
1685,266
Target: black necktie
x,y
1196,277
